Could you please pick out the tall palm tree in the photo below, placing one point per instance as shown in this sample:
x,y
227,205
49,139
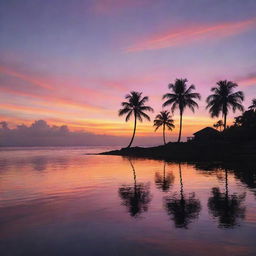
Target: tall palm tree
x,y
164,119
181,97
227,208
253,106
182,208
224,98
135,106
219,124
135,197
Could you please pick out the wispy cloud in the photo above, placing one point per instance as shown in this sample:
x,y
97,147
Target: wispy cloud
x,y
47,93
248,80
26,78
188,35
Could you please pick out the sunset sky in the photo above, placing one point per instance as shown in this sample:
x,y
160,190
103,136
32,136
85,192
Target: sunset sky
x,y
72,62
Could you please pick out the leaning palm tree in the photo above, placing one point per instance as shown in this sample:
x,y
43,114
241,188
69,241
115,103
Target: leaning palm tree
x,y
135,197
181,97
224,98
164,119
218,125
135,106
253,106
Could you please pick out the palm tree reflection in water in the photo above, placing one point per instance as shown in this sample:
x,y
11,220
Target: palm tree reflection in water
x,y
182,208
137,197
163,182
227,208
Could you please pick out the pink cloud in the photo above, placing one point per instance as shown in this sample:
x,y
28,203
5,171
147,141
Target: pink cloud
x,y
248,80
26,78
188,35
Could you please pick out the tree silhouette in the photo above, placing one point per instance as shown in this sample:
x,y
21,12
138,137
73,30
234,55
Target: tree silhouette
x,y
164,181
135,106
227,208
164,119
247,119
137,197
218,125
253,106
182,208
224,98
181,97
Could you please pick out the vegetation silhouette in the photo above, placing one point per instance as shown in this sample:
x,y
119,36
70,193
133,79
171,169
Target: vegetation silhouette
x,y
181,97
137,197
218,125
247,119
224,98
135,106
164,119
253,106
227,208
244,171
234,142
163,182
182,208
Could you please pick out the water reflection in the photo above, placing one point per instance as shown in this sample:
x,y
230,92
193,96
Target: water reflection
x,y
135,197
227,208
163,182
243,171
246,173
181,207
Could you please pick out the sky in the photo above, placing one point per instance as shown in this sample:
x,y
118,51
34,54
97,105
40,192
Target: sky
x,y
72,62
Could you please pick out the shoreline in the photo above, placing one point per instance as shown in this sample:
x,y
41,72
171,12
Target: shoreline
x,y
192,151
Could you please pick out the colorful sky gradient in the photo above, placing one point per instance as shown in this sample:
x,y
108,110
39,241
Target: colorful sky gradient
x,y
72,62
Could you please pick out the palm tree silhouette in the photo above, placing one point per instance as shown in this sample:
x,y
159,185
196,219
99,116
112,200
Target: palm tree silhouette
x,y
182,208
253,106
219,124
227,208
164,181
164,119
181,97
137,197
135,106
224,98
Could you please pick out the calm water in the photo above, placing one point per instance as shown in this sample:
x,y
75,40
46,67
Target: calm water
x,y
59,201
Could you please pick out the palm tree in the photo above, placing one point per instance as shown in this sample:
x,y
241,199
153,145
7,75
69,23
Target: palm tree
x,y
218,124
135,197
253,106
224,98
227,208
164,119
135,106
164,181
181,97
182,208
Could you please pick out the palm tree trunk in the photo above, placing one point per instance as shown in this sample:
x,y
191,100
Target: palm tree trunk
x,y
164,170
134,130
180,126
225,121
134,177
226,183
181,183
164,134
